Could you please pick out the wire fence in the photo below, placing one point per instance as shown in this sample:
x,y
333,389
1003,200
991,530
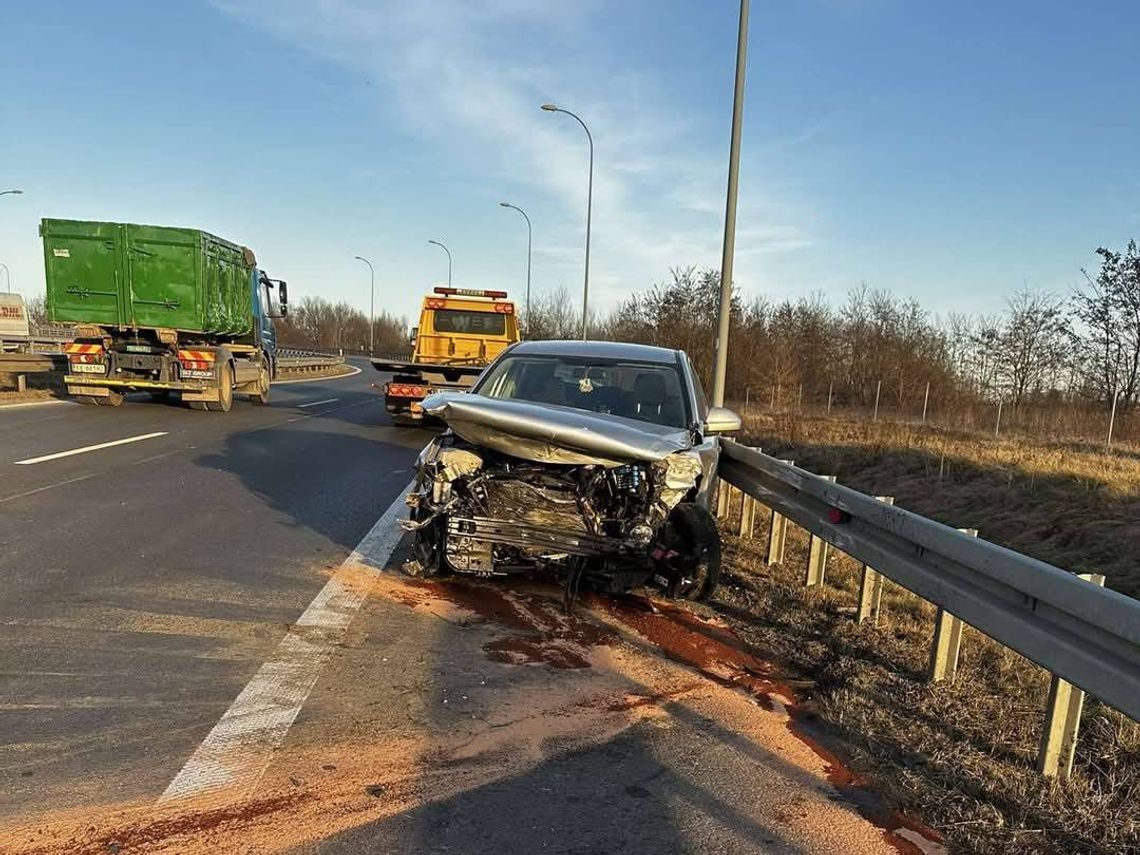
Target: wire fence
x,y
1054,418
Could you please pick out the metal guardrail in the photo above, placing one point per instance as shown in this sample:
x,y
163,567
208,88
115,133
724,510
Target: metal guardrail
x,y
31,363
1086,635
306,361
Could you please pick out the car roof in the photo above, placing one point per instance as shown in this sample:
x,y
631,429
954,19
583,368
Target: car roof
x,y
599,350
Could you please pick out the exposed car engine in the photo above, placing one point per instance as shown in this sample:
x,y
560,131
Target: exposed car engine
x,y
611,527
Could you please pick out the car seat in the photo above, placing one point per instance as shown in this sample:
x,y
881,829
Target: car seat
x,y
649,397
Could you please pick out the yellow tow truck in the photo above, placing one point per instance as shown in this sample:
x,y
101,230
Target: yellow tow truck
x,y
460,331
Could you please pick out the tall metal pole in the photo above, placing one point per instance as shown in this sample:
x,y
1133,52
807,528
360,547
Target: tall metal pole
x,y
720,370
552,108
372,305
448,251
7,276
528,237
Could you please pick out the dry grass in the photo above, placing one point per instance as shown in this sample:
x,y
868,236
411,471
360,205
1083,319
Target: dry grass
x,y
41,386
1069,504
960,756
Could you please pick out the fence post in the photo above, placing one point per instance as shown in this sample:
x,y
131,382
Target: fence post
x,y
800,400
997,424
1062,720
830,389
878,389
21,383
871,587
777,533
817,555
1112,419
947,642
925,401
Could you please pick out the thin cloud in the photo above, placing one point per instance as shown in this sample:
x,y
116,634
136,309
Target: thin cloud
x,y
467,78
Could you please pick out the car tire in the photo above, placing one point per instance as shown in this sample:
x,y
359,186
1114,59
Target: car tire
x,y
697,535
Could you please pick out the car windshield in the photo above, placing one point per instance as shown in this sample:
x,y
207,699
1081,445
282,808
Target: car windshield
x,y
645,391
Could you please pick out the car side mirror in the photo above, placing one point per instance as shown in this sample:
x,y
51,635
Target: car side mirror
x,y
283,296
722,420
413,335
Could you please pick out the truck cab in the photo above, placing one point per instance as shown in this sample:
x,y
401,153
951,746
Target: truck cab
x,y
270,301
460,331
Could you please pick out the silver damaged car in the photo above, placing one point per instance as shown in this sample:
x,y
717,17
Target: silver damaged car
x,y
588,461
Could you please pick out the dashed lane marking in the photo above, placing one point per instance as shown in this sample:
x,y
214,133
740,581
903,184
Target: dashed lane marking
x,y
318,403
235,754
87,448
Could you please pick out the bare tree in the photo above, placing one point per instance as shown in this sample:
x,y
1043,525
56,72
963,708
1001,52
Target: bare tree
x,y
1032,344
1109,312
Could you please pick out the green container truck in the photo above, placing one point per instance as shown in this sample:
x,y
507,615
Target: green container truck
x,y
163,310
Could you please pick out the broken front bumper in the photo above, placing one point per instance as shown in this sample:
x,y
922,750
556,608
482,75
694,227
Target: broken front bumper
x,y
530,536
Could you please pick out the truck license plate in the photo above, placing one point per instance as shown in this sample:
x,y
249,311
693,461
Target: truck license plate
x,y
83,368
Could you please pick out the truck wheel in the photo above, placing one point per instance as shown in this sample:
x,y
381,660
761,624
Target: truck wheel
x,y
114,399
86,400
225,390
261,396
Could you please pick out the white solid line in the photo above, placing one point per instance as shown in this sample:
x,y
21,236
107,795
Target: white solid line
x,y
51,403
88,448
318,403
235,754
355,370
47,487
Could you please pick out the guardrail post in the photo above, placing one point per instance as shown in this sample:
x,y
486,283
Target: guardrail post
x,y
747,515
722,489
1062,720
817,555
21,383
777,533
871,587
947,643
747,511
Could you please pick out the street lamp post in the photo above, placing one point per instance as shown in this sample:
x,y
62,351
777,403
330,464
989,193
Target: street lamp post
x,y
371,305
553,108
7,276
720,369
448,251
11,192
528,245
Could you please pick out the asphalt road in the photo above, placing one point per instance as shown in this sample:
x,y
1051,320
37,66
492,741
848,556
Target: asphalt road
x,y
205,646
142,584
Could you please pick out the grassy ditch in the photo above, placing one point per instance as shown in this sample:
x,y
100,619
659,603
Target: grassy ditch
x,y
960,756
41,386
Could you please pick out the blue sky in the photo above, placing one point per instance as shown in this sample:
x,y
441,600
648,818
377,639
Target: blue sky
x,y
951,152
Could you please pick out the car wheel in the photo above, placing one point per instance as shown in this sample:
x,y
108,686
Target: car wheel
x,y
697,568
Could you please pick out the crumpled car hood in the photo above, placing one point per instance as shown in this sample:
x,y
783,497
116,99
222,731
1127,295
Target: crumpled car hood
x,y
546,433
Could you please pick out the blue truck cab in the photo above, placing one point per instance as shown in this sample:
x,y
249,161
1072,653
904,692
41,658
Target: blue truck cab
x,y
270,301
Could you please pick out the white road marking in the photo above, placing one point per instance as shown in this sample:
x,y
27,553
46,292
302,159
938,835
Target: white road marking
x,y
87,448
35,404
355,370
318,403
235,754
41,489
